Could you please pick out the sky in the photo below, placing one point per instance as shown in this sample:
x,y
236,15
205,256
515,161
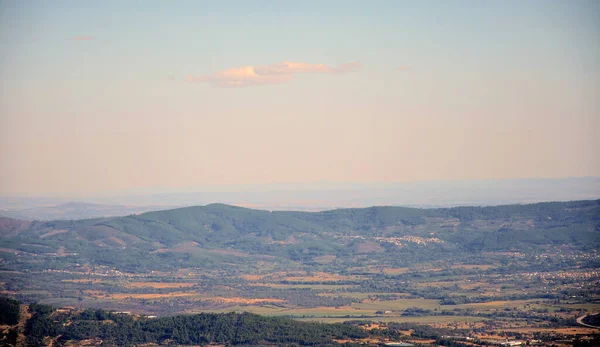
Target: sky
x,y
109,96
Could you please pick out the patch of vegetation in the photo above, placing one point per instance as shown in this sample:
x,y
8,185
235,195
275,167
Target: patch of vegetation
x,y
229,328
9,311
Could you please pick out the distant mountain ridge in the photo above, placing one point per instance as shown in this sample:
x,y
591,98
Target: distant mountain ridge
x,y
75,210
208,233
318,196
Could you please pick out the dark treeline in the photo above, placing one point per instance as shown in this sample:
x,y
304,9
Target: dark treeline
x,y
9,311
9,315
230,328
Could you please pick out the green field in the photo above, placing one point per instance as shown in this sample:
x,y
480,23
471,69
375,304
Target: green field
x,y
354,310
422,319
398,305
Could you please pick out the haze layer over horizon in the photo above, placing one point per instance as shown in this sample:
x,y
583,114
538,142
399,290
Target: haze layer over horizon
x,y
312,197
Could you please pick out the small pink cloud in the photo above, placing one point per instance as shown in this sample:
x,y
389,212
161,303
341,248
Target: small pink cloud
x,y
81,38
271,74
404,68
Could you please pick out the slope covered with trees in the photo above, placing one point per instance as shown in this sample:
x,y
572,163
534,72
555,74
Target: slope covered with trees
x,y
244,329
206,234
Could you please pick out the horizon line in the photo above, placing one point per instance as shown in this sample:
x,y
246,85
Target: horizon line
x,y
243,187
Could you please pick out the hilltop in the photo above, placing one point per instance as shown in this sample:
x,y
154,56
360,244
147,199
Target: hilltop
x,y
207,233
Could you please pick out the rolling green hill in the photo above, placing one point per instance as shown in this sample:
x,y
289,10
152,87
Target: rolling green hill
x,y
204,235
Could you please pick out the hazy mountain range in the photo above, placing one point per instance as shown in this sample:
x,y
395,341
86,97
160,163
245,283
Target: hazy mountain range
x,y
204,235
74,210
306,197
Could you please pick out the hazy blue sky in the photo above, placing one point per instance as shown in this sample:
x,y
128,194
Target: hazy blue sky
x,y
110,95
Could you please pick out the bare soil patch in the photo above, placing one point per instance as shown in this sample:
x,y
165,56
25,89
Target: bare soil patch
x,y
159,285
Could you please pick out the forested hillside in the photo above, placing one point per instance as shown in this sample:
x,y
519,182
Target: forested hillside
x,y
207,233
117,329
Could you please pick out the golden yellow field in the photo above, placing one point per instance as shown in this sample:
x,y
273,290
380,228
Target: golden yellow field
x,y
252,277
119,296
396,271
319,277
159,285
246,301
304,286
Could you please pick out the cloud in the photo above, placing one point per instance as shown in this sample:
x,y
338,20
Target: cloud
x,y
271,74
81,38
404,68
